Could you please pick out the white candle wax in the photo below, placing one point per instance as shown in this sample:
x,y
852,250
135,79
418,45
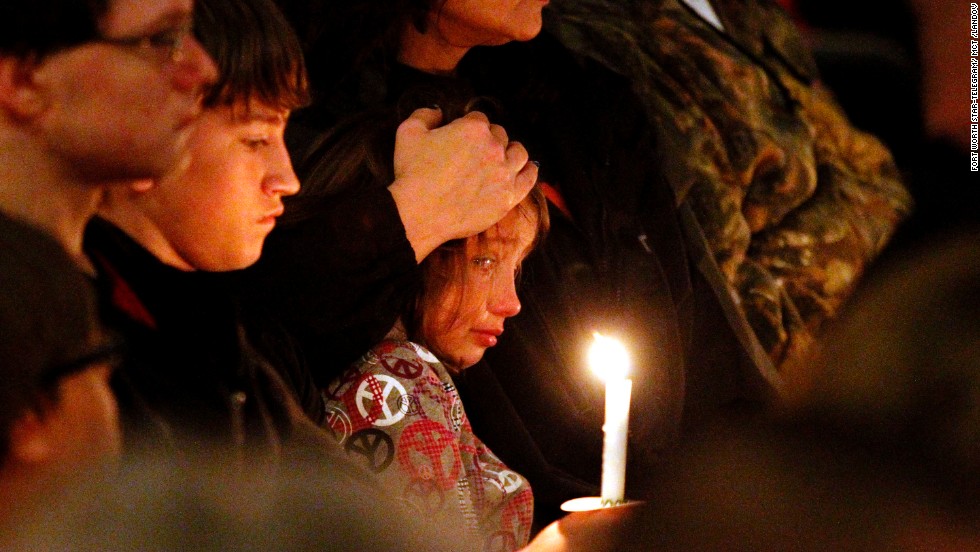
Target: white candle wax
x,y
616,427
610,361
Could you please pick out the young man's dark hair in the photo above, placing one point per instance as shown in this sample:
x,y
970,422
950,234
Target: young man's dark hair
x,y
259,58
40,27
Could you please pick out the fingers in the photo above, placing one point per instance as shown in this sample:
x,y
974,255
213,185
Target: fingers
x,y
525,180
476,115
516,156
527,172
497,131
425,118
469,132
499,134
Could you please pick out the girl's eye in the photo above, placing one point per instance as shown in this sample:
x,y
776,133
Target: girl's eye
x,y
485,264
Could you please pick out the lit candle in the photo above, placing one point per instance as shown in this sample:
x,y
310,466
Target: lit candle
x,y
608,359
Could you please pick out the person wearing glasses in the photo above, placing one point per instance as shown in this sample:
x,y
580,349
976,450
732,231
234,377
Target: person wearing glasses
x,y
58,416
91,93
198,379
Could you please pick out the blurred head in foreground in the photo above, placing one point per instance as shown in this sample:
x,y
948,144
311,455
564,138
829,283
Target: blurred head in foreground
x,y
57,412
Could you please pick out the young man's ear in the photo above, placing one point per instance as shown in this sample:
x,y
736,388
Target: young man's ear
x,y
20,97
31,439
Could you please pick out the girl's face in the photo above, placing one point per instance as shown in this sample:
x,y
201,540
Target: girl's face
x,y
470,23
469,315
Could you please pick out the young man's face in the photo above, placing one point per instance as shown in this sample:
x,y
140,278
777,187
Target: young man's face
x,y
216,213
122,110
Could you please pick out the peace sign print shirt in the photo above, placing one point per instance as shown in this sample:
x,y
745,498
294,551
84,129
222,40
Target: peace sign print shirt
x,y
397,410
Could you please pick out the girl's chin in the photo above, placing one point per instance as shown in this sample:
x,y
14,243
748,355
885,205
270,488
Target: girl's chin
x,y
464,363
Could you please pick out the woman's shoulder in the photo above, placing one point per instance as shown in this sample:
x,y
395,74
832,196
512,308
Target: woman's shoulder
x,y
402,362
394,386
401,357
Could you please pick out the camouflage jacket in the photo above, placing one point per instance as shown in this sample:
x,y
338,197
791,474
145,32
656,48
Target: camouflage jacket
x,y
792,200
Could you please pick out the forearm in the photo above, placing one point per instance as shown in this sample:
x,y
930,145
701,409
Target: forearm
x,y
337,279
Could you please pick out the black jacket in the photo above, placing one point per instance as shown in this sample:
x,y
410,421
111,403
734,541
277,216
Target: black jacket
x,y
193,377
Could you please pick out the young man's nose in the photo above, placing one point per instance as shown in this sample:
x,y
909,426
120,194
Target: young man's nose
x,y
282,179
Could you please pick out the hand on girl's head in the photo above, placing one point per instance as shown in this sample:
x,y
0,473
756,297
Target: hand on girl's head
x,y
456,179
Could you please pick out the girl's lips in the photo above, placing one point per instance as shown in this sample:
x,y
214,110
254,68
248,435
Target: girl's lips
x,y
486,338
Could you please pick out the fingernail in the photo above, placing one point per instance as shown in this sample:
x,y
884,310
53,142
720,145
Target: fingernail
x,y
435,106
536,163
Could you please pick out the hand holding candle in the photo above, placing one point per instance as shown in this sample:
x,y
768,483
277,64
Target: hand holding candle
x,y
608,359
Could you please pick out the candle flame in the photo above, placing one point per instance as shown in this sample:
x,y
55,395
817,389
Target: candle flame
x,y
608,358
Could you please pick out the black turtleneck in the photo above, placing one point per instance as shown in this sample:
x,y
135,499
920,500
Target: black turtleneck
x,y
192,375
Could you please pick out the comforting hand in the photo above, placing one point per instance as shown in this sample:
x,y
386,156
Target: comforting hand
x,y
455,180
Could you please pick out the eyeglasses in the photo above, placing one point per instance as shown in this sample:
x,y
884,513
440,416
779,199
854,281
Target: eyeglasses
x,y
109,352
167,45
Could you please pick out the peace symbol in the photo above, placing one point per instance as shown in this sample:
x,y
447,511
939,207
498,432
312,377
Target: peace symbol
x,y
430,496
501,541
430,441
409,404
332,391
377,390
424,353
338,423
507,481
385,348
403,368
375,446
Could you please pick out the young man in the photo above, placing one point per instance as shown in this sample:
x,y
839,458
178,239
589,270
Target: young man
x,y
193,378
91,93
57,413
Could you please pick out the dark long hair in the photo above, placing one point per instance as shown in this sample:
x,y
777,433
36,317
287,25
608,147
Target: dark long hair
x,y
359,152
